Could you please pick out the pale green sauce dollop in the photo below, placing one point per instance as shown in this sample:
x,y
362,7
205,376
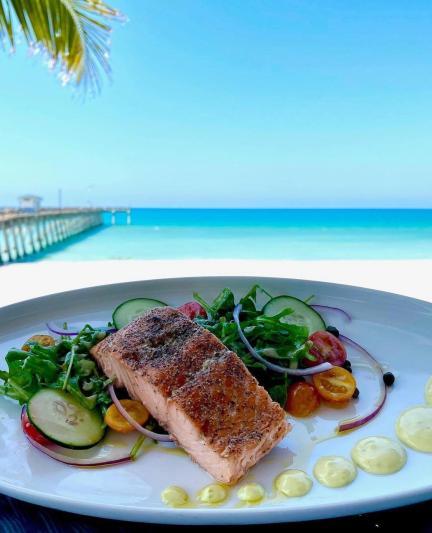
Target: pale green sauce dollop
x,y
414,428
212,494
174,496
334,471
293,483
379,455
251,493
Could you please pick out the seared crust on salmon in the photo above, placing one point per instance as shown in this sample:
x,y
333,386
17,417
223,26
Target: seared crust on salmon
x,y
197,389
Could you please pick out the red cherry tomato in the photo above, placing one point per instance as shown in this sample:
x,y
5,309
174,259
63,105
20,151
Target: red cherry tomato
x,y
326,347
303,399
32,432
192,310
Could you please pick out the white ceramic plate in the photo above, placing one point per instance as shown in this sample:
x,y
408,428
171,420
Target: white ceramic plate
x,y
397,330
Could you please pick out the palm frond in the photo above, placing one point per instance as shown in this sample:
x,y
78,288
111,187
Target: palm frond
x,y
75,34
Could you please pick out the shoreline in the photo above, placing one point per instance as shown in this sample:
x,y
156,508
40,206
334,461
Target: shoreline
x,y
22,281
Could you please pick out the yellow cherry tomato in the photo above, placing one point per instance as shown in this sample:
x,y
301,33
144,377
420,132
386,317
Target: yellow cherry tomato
x,y
42,340
335,385
117,422
302,399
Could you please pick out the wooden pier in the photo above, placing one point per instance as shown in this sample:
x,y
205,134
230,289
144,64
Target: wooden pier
x,y
24,233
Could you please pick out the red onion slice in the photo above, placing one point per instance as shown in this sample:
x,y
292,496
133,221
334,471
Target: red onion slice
x,y
354,423
105,453
150,434
271,366
358,421
319,307
58,330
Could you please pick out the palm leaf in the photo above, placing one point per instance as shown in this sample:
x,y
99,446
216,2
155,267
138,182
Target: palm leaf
x,y
74,33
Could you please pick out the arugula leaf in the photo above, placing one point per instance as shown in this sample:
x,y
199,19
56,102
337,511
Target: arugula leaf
x,y
203,304
249,300
279,392
17,374
49,353
44,369
16,392
73,387
224,302
85,367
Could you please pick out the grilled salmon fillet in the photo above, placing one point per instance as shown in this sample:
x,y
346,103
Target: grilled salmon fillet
x,y
197,389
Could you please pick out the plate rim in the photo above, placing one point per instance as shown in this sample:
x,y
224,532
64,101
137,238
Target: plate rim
x,y
10,306
206,515
178,516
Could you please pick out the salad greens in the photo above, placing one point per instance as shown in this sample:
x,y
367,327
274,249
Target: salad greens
x,y
272,338
67,365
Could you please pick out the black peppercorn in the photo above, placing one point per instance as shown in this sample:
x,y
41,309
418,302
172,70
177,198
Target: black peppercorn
x,y
389,379
334,331
347,365
356,393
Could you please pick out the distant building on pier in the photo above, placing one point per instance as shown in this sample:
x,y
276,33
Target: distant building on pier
x,y
29,203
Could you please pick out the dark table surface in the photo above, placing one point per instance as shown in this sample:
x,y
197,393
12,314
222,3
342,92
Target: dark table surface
x,y
21,517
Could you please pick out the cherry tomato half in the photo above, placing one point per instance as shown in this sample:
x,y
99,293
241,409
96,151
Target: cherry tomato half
x,y
326,347
302,400
32,432
192,310
335,385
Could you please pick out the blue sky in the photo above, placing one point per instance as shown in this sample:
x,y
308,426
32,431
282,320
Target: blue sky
x,y
248,103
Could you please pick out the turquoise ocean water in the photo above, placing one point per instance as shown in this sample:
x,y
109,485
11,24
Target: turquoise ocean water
x,y
254,234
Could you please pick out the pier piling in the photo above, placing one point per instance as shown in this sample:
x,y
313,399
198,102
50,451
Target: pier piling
x,y
23,234
115,210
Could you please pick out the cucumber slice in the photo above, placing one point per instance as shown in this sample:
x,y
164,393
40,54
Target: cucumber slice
x,y
303,315
62,419
130,309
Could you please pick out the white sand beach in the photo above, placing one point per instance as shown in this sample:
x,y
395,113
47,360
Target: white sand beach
x,y
28,280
